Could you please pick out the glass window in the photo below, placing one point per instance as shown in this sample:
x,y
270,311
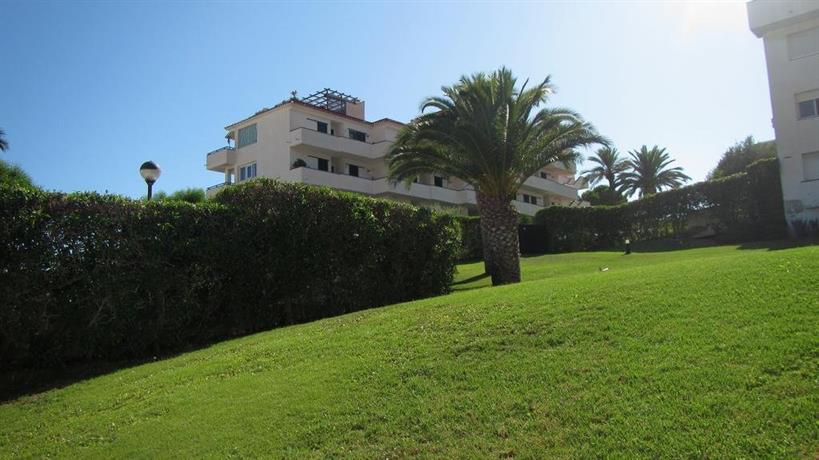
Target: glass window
x,y
439,181
321,127
323,164
353,169
357,135
247,136
248,171
807,109
810,165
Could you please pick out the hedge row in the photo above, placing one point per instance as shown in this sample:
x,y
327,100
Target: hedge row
x,y
89,277
742,207
470,237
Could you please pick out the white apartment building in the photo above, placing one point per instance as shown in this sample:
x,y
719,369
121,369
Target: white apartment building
x,y
324,139
790,31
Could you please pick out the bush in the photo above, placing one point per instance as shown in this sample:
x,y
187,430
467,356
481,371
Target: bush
x,y
470,237
741,207
90,277
12,175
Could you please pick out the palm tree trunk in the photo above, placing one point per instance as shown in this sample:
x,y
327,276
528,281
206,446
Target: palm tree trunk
x,y
499,229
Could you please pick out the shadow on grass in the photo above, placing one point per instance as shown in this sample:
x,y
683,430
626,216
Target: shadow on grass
x,y
30,382
471,279
777,245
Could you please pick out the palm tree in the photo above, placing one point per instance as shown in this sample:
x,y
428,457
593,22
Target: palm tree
x,y
649,172
609,166
487,132
4,144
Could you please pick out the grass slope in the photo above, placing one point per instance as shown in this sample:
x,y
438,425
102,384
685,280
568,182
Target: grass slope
x,y
707,353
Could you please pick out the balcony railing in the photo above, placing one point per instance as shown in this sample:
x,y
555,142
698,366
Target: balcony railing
x,y
220,149
217,186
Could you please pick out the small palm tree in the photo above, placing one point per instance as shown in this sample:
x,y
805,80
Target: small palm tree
x,y
4,144
609,166
489,133
649,172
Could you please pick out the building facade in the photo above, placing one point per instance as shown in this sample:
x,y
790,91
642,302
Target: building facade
x,y
324,139
790,32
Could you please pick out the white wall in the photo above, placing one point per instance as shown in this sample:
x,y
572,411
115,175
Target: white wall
x,y
793,78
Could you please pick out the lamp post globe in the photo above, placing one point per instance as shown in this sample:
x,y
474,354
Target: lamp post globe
x,y
150,171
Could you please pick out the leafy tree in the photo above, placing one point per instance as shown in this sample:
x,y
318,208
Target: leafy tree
x,y
609,165
191,195
14,176
4,144
493,135
742,154
649,172
603,195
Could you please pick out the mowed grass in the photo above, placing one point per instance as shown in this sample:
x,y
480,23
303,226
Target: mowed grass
x,y
702,353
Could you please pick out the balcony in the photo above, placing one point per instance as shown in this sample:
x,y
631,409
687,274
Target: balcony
x,y
328,179
552,187
380,186
764,16
528,209
211,191
423,191
220,159
329,144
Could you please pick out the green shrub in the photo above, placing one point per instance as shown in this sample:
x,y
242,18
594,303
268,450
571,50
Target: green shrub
x,y
470,237
90,277
741,207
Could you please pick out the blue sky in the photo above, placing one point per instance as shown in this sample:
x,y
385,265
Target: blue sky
x,y
90,90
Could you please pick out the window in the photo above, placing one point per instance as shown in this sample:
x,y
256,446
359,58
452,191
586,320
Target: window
x,y
531,199
357,135
352,170
439,181
321,127
808,109
803,44
247,136
323,164
544,175
810,165
247,171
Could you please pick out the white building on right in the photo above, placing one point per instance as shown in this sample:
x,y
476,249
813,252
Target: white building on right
x,y
790,31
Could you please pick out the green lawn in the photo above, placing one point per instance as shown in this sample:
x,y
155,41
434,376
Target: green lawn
x,y
699,353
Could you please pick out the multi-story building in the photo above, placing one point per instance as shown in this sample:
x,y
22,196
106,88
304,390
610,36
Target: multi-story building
x,y
790,32
324,139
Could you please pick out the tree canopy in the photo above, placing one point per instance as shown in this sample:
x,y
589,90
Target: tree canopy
x,y
740,155
649,171
603,195
14,176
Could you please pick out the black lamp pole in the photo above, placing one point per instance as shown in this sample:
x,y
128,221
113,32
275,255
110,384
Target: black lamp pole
x,y
150,171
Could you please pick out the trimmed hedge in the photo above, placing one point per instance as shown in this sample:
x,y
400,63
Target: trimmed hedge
x,y
89,277
470,237
742,207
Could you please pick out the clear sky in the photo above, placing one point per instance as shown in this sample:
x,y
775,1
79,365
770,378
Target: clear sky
x,y
90,90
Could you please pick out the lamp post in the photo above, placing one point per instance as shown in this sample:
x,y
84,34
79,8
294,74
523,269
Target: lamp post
x,y
628,246
150,172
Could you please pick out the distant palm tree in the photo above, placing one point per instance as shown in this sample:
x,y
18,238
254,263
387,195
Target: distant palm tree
x,y
648,172
4,144
491,134
609,166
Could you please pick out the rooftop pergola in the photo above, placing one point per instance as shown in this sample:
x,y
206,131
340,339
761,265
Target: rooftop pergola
x,y
330,99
